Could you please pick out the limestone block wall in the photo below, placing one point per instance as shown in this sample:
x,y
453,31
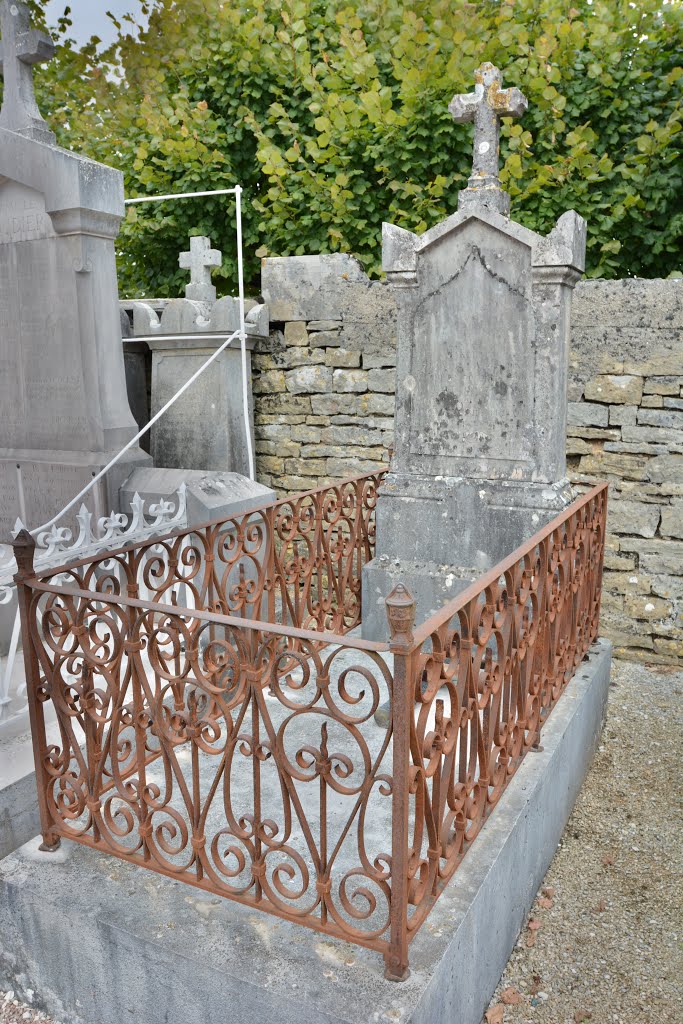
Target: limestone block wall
x,y
324,383
626,426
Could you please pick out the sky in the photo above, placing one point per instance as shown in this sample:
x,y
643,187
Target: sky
x,y
90,16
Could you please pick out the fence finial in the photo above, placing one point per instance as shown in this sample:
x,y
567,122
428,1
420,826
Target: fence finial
x,y
24,547
401,615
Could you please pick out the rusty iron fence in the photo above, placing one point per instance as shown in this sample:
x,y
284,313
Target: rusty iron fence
x,y
216,712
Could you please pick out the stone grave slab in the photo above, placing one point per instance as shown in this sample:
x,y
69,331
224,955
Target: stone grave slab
x,y
209,495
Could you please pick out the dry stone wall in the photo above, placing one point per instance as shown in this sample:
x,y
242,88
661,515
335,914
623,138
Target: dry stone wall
x,y
626,426
324,385
324,382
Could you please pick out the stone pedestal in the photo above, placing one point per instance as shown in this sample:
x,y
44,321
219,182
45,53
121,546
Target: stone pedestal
x,y
479,463
205,428
62,381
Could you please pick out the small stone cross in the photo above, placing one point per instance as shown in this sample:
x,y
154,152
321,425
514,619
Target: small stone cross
x,y
199,261
485,106
21,48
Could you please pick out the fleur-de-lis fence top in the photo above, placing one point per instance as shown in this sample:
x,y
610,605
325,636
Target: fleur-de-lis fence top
x,y
20,49
93,535
485,106
199,261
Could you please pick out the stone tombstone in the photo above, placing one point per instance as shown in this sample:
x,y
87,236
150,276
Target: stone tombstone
x,y
481,388
205,428
62,383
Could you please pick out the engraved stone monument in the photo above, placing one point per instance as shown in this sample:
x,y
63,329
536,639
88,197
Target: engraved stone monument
x,y
62,384
205,429
483,335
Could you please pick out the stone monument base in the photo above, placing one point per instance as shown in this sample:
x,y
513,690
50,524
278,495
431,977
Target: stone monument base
x,y
436,535
205,427
90,938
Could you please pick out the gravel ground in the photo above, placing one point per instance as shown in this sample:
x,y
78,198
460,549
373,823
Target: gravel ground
x,y
605,938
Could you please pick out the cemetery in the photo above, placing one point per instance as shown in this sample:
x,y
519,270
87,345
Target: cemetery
x,y
309,600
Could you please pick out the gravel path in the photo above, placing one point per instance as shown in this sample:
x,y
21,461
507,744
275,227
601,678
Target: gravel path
x,y
606,932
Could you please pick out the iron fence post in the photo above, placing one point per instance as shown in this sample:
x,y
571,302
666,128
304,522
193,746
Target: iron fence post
x,y
24,552
601,558
400,607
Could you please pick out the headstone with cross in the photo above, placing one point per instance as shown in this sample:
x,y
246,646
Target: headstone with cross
x,y
199,261
21,48
480,418
485,106
63,395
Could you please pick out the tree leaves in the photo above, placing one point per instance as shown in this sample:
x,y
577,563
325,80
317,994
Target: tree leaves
x,y
334,118
511,996
496,1015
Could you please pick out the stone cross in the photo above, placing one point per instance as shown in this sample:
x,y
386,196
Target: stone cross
x,y
21,48
199,261
485,106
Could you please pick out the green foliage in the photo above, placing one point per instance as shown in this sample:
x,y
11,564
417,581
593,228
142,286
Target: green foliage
x,y
333,115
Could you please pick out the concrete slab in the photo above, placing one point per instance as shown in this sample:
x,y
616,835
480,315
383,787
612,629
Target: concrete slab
x,y
19,817
100,942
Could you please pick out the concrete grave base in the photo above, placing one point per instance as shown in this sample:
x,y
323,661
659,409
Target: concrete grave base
x,y
430,584
19,817
437,535
96,941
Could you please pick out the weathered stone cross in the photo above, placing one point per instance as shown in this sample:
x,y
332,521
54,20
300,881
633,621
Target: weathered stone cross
x,y
21,48
199,261
485,106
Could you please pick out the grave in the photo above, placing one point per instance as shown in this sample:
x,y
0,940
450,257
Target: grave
x,y
205,429
62,382
481,387
90,938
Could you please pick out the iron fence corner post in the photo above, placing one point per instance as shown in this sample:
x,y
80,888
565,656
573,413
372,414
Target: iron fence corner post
x,y
24,552
401,609
601,560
